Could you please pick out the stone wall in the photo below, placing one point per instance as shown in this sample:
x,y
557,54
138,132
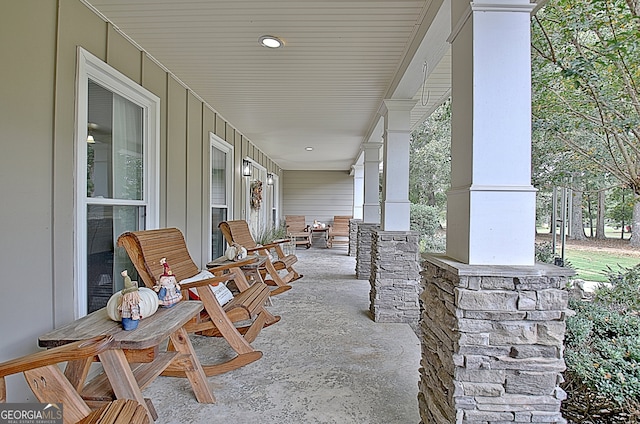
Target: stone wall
x,y
353,236
492,343
395,277
363,254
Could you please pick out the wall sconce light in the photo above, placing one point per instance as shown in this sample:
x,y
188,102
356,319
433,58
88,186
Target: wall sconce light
x,y
246,168
269,178
90,139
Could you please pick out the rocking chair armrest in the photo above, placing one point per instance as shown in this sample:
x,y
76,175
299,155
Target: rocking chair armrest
x,y
213,267
207,281
256,249
70,352
275,243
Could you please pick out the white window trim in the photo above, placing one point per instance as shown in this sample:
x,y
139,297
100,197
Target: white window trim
x,y
91,67
276,197
220,144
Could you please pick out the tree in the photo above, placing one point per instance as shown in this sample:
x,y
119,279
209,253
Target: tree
x,y
430,159
621,209
586,56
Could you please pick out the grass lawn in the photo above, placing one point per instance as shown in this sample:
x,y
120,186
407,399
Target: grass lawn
x,y
592,265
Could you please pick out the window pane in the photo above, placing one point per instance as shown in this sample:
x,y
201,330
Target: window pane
x,y
104,259
217,239
114,158
218,177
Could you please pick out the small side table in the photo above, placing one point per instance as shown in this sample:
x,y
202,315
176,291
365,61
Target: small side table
x,y
250,266
135,359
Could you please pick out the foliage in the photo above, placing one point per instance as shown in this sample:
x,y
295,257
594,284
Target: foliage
x,y
424,220
623,291
586,86
603,350
602,347
430,159
621,206
267,234
544,252
435,244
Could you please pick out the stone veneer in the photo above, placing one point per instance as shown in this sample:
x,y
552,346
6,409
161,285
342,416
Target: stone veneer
x,y
353,236
395,277
492,343
363,253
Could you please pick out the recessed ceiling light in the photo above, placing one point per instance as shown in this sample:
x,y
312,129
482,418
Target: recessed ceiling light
x,y
270,41
308,149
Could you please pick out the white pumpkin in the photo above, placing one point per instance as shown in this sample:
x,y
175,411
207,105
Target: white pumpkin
x,y
148,304
235,252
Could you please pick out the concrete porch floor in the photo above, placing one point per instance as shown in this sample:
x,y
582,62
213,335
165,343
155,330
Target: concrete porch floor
x,y
326,361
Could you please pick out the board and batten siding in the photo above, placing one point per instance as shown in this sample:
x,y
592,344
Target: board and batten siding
x,y
317,194
38,131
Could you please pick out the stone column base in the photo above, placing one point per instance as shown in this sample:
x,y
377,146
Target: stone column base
x,y
363,254
492,342
395,277
353,236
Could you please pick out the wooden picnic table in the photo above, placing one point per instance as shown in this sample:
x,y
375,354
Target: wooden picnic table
x,y
135,359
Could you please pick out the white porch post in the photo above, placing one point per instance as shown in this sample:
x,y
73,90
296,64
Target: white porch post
x,y
491,205
492,321
371,207
397,130
358,191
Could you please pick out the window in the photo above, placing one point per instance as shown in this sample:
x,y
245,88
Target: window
x,y
117,173
221,191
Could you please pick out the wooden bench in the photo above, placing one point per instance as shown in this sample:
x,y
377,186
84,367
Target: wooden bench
x,y
50,385
146,248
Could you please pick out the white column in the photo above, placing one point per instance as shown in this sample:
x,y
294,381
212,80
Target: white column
x,y
371,207
358,191
491,205
397,132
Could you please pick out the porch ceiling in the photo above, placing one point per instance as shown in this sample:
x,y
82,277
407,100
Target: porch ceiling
x,y
322,89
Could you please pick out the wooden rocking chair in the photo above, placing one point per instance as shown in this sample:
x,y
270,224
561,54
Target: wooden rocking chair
x,y
238,232
50,385
339,230
146,248
298,230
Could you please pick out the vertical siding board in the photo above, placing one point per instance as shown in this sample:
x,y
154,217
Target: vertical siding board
x,y
156,80
123,55
221,127
237,173
176,155
208,125
194,176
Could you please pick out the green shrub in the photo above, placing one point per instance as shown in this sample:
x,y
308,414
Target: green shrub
x,y
267,234
424,220
602,349
544,252
433,244
623,290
